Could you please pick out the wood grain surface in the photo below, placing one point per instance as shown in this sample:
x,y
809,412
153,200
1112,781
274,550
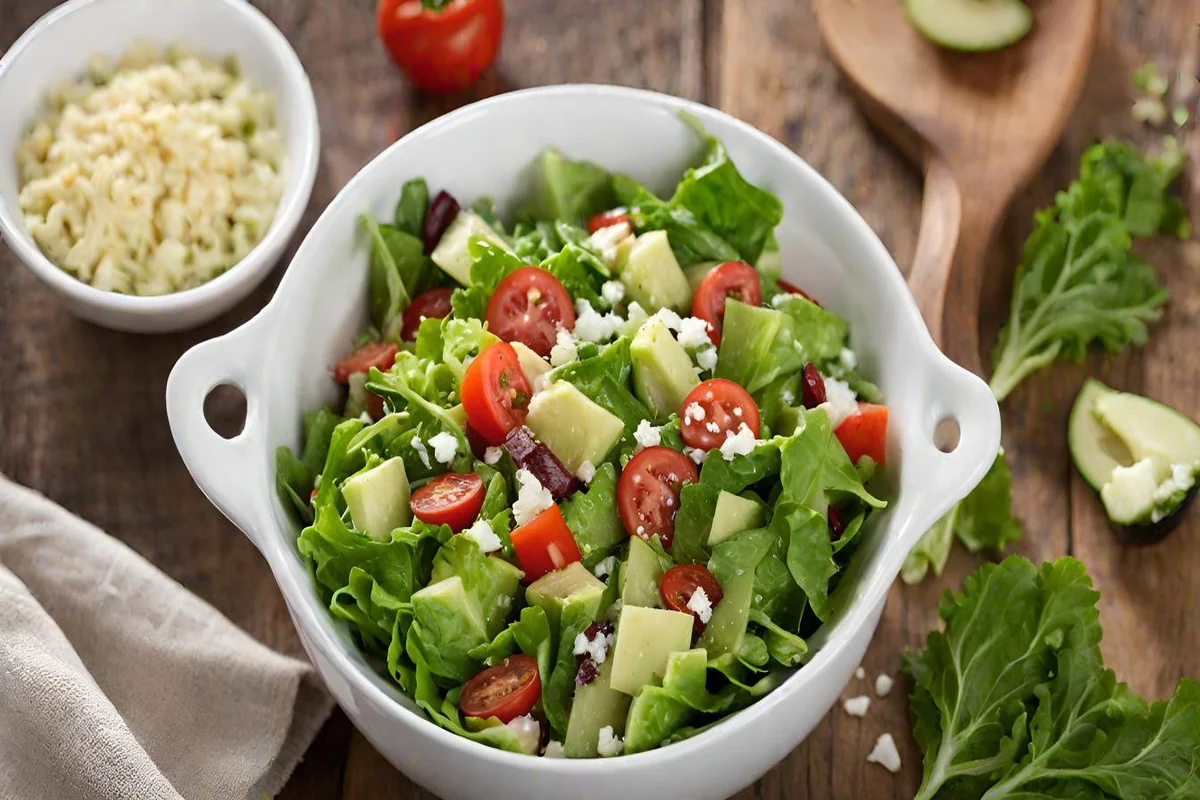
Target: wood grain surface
x,y
82,416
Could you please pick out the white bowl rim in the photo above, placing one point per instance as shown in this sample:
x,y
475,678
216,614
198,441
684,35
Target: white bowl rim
x,y
287,215
871,595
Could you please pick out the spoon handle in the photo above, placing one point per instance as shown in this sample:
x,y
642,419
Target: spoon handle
x,y
947,271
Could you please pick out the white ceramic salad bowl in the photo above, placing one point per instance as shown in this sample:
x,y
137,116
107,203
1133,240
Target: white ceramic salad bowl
x,y
281,359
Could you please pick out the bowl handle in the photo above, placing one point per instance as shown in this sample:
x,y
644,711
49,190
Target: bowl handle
x,y
228,471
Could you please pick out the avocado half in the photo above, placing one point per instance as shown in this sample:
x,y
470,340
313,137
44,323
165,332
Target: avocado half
x,y
1127,448
973,26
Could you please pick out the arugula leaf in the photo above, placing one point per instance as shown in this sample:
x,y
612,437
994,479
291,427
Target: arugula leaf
x,y
1078,281
983,519
411,207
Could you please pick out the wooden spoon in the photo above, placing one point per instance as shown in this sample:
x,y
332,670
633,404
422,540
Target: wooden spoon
x,y
981,124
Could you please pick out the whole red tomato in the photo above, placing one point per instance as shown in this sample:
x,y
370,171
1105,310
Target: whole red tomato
x,y
443,46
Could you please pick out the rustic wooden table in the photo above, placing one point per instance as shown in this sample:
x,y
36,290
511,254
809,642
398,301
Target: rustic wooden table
x,y
82,417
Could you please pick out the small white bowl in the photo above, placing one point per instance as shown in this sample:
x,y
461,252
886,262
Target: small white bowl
x,y
59,46
281,359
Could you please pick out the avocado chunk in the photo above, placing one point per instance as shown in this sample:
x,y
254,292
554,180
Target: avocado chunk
x,y
646,637
378,499
572,426
652,276
732,515
572,583
662,370
451,253
641,575
723,633
448,624
970,25
532,365
597,705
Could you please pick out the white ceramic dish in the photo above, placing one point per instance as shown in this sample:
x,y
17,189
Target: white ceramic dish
x,y
280,359
59,46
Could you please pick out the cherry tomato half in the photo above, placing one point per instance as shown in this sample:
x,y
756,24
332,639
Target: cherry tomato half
x,y
678,585
528,307
379,354
442,50
733,279
648,492
791,288
544,544
864,433
449,499
495,394
606,219
725,407
505,691
433,304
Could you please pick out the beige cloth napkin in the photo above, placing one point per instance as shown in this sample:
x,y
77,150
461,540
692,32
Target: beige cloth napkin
x,y
116,682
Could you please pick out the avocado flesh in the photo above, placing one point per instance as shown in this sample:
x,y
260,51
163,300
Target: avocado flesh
x,y
646,637
641,575
378,499
451,253
533,366
723,633
574,427
970,25
652,276
732,515
570,584
596,705
1095,450
662,370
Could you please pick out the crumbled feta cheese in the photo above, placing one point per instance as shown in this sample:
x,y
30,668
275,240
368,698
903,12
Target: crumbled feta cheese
x,y
670,319
365,416
700,605
492,455
608,744
885,753
540,383
860,673
605,568
597,648
707,358
857,706
712,427
693,332
641,530
647,435
693,411
586,471
554,750
564,351
445,447
635,317
883,685
613,292
788,397
695,454
481,533
532,497
737,411
606,239
840,401
738,444
422,453
528,733
848,358
1179,481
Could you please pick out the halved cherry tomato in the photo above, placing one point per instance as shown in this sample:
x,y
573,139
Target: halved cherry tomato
x,y
529,306
648,492
544,544
680,583
725,407
792,288
864,433
442,50
451,499
506,691
495,394
733,279
606,219
378,353
433,304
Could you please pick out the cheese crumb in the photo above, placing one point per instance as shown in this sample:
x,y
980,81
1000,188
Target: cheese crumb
x,y
554,750
492,455
712,427
695,454
608,744
606,239
738,444
707,358
586,471
597,648
481,533
647,435
883,685
788,397
857,706
592,326
564,351
670,319
700,605
532,497
885,753
613,292
528,732
860,673
419,446
445,447
605,567
848,358
635,317
694,411
693,332
840,401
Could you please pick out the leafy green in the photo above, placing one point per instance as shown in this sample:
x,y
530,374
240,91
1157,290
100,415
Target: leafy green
x,y
983,519
568,190
411,207
697,504
444,711
815,469
591,515
573,266
490,264
658,711
738,474
558,691
397,269
489,582
1079,281
691,241
809,554
1011,699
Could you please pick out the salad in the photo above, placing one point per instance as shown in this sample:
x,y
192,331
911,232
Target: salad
x,y
597,474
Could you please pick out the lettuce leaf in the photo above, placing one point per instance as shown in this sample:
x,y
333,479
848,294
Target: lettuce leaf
x,y
691,241
490,265
591,515
567,190
398,268
659,711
